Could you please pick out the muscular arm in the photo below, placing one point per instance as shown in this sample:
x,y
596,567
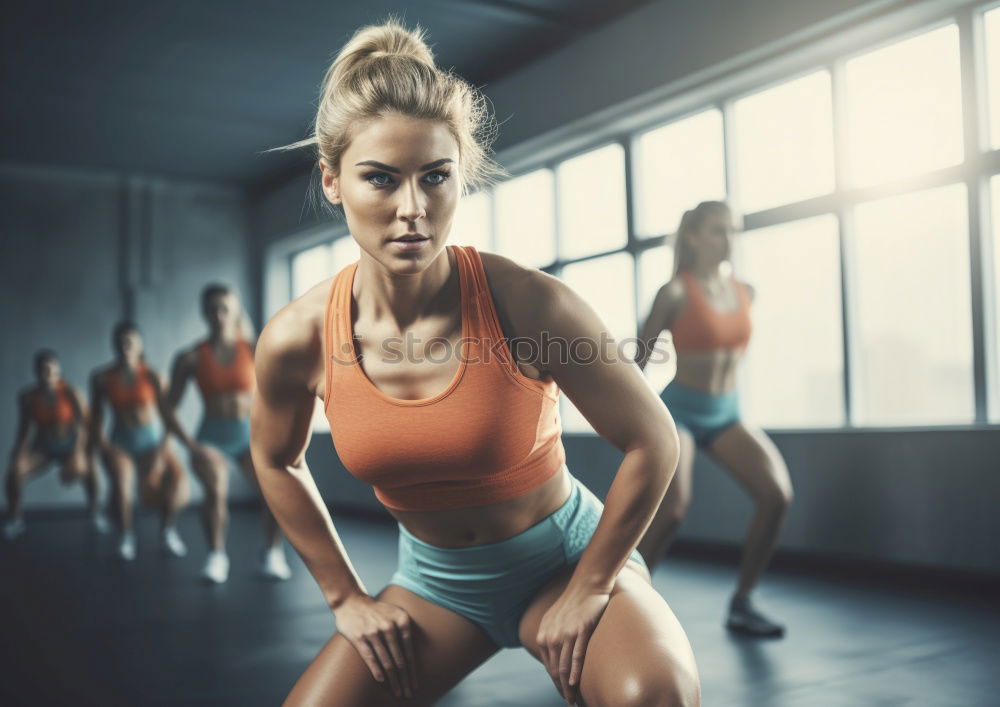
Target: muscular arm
x,y
660,317
95,433
288,353
167,404
23,425
614,397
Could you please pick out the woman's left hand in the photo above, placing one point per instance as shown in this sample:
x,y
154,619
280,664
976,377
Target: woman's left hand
x,y
564,633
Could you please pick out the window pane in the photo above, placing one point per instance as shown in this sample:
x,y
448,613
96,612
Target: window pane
x,y
655,268
993,308
345,252
309,267
784,143
607,284
793,371
911,255
592,203
472,222
678,166
904,108
525,219
991,27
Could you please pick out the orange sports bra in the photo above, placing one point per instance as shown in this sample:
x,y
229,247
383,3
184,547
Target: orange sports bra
x,y
237,377
58,412
701,327
492,434
140,394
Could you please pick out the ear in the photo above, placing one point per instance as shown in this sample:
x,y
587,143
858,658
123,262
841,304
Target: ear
x,y
331,183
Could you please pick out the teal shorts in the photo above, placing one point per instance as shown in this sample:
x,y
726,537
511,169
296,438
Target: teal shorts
x,y
58,448
493,584
230,436
137,439
704,415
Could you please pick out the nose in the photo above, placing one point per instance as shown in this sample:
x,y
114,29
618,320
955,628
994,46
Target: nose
x,y
412,203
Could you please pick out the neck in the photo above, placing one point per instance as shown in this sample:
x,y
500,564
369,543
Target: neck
x,y
710,270
226,335
400,298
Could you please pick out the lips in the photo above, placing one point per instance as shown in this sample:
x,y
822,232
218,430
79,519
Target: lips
x,y
411,238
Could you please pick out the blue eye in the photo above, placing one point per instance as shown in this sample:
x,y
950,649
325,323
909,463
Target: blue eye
x,y
440,177
375,181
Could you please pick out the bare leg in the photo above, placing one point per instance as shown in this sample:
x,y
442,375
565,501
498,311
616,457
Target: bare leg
x,y
214,477
23,467
121,470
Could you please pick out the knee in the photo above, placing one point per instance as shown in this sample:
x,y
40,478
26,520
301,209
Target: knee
x,y
661,689
674,510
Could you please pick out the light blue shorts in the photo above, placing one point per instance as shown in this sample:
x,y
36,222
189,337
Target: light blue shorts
x,y
137,439
493,584
231,436
59,448
704,415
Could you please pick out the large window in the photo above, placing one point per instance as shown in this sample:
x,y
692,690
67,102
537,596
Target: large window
x,y
784,143
607,285
473,222
904,108
525,219
794,368
592,203
676,166
911,259
991,33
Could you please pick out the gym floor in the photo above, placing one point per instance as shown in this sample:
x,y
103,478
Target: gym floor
x,y
82,628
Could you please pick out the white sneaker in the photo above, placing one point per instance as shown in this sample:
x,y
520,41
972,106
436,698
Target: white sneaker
x,y
126,548
172,543
14,527
216,567
274,565
100,523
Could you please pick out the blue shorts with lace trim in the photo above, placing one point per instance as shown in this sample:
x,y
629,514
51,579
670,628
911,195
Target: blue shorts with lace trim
x,y
493,584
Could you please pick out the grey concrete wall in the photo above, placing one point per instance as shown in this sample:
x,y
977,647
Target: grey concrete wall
x,y
82,249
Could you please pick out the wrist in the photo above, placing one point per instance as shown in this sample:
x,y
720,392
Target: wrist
x,y
338,600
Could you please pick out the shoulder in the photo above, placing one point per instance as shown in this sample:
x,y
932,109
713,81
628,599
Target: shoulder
x,y
517,287
25,395
100,374
290,347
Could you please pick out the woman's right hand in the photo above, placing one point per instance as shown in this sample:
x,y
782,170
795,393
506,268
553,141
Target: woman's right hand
x,y
382,634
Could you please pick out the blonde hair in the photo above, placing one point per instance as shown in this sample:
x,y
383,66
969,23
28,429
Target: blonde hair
x,y
389,69
691,221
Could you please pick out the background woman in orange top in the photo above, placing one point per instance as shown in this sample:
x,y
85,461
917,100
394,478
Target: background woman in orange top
x,y
222,367
137,444
499,544
59,416
707,311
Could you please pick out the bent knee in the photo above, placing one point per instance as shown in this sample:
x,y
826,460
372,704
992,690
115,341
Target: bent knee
x,y
660,689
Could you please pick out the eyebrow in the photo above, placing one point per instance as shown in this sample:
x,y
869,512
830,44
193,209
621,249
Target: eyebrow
x,y
396,170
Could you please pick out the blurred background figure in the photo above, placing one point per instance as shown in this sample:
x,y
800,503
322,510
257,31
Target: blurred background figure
x,y
58,414
707,311
222,367
138,450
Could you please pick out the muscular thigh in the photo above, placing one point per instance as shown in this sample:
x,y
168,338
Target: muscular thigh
x,y
448,647
638,644
752,458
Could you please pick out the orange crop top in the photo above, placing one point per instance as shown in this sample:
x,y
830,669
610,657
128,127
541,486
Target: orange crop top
x,y
237,377
59,412
701,327
492,434
140,394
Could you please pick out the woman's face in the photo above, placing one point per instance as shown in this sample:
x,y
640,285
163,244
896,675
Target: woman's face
x,y
129,344
49,372
398,177
714,237
221,310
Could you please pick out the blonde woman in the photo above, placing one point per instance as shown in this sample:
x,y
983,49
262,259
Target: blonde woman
x,y
707,311
500,546
221,366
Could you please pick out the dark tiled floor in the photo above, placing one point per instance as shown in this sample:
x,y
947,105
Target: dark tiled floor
x,y
80,628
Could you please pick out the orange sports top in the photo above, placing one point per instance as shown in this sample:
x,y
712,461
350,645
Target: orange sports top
x,y
140,394
701,327
492,434
237,377
59,412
